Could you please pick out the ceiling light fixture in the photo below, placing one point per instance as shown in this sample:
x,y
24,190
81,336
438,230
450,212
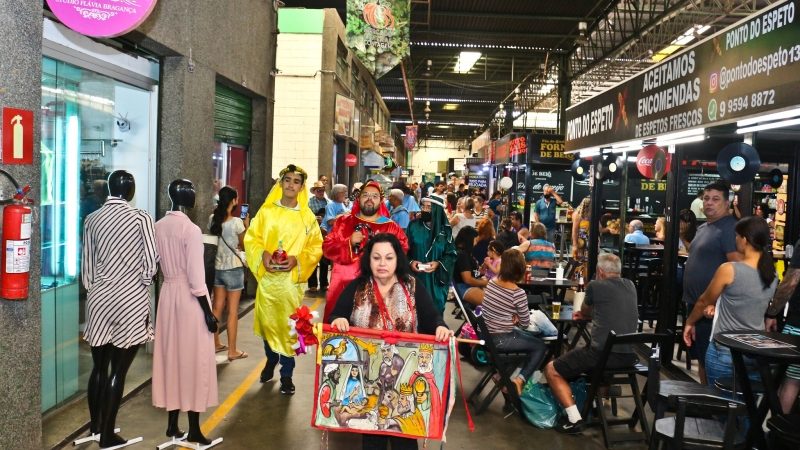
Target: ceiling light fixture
x,y
768,126
466,60
681,41
428,73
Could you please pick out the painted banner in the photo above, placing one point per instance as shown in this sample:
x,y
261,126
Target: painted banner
x,y
378,32
411,137
388,383
746,69
107,18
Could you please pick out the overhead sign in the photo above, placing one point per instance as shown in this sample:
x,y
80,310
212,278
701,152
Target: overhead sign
x,y
748,68
547,149
106,18
378,33
652,162
343,116
511,148
411,137
17,136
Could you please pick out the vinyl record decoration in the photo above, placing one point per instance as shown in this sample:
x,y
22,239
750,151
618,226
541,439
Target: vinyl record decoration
x,y
609,167
580,169
738,163
775,178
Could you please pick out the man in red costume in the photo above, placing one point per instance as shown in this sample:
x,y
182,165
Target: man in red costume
x,y
349,235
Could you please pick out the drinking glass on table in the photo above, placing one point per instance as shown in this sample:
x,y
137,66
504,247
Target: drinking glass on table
x,y
556,310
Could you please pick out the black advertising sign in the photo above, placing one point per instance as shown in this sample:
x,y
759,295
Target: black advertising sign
x,y
547,149
478,180
748,68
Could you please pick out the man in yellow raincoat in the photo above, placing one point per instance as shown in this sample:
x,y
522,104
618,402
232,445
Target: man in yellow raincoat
x,y
285,221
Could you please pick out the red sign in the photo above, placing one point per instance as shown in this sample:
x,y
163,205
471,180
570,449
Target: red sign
x,y
351,160
411,137
652,162
17,136
518,146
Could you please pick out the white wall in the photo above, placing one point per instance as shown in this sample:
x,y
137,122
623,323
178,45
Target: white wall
x,y
297,103
425,159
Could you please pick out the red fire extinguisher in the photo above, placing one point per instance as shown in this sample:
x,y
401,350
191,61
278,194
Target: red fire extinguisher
x,y
16,252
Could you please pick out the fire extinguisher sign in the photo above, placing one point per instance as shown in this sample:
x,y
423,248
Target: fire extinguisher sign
x,y
18,256
17,136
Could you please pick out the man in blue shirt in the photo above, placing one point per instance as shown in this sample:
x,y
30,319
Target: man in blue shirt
x,y
336,207
398,212
544,210
635,234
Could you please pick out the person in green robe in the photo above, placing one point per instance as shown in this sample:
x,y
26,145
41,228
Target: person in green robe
x,y
431,249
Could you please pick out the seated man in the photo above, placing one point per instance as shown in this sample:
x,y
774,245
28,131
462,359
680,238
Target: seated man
x,y
611,303
635,234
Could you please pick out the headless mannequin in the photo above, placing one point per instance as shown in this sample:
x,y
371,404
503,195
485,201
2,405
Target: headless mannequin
x,y
105,390
182,194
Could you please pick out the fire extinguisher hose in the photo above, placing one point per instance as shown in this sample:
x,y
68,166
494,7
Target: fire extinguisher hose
x,y
6,201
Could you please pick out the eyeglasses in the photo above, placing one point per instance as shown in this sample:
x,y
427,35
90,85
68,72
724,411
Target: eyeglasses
x,y
366,196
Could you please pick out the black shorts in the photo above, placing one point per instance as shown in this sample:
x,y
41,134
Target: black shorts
x,y
573,364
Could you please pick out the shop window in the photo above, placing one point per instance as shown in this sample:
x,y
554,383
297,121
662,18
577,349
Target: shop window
x,y
91,125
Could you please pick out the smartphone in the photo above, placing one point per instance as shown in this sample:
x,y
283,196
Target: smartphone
x,y
245,209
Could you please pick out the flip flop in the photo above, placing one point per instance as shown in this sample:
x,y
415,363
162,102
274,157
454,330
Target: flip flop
x,y
242,355
221,348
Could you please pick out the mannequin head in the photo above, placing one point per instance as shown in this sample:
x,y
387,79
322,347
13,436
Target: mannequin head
x,y
121,184
181,192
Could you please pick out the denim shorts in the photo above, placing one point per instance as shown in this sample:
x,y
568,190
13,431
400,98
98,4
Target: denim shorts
x,y
719,364
231,279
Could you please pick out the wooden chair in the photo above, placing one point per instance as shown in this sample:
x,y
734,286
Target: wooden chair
x,y
694,427
614,379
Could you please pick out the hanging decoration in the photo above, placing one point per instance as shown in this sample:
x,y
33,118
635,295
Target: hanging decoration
x,y
378,32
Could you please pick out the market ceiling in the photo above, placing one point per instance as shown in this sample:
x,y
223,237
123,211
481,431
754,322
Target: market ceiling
x,y
525,46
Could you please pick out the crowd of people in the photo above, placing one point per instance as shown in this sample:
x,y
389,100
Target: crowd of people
x,y
394,255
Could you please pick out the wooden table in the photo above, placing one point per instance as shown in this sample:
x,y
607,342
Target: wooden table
x,y
764,357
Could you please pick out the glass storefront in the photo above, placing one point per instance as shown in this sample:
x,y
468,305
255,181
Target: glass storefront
x,y
91,125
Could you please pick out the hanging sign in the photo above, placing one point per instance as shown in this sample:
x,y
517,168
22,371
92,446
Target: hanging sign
x,y
747,69
102,18
374,382
17,136
547,149
653,162
411,137
378,32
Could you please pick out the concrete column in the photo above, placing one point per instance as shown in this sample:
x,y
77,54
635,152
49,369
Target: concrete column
x,y
186,133
20,321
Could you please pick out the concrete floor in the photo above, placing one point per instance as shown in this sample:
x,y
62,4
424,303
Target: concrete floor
x,y
252,415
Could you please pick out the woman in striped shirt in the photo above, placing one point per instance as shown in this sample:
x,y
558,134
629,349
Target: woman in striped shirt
x,y
504,308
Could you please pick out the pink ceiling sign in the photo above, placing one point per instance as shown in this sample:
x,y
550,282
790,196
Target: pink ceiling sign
x,y
102,18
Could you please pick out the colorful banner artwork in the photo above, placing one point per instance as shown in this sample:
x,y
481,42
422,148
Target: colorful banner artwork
x,y
378,32
411,137
373,382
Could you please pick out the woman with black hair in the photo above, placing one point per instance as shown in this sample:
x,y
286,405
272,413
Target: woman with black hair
x,y
228,267
687,223
744,289
386,297
467,279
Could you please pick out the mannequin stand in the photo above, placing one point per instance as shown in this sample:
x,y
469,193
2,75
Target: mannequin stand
x,y
90,438
181,442
96,438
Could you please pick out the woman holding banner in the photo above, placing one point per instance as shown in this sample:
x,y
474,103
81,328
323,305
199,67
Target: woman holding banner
x,y
386,297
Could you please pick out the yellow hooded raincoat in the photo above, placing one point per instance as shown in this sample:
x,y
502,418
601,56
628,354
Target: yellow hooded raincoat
x,y
280,293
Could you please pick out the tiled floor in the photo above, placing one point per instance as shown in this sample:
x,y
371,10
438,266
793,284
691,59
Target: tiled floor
x,y
262,418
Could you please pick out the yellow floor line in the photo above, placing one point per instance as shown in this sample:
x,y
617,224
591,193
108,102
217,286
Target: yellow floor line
x,y
222,410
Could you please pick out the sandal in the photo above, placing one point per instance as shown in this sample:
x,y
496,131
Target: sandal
x,y
221,348
242,355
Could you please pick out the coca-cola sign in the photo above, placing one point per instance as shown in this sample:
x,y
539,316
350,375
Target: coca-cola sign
x,y
653,162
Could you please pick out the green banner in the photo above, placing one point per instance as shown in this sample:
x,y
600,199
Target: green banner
x,y
377,31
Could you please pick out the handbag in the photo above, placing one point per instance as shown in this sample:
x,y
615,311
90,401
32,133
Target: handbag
x,y
239,253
